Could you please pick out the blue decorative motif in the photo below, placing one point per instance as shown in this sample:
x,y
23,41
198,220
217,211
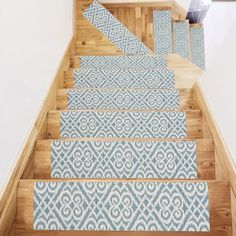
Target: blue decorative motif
x,y
107,78
114,30
122,99
123,62
162,159
121,206
181,38
197,46
100,124
162,31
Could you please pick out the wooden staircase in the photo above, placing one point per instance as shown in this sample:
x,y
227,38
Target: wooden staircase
x,y
17,206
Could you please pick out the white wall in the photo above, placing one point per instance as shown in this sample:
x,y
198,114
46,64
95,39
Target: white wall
x,y
219,81
184,3
33,37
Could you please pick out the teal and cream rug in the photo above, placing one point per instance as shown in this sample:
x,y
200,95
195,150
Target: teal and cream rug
x,y
104,124
121,206
162,159
122,78
122,99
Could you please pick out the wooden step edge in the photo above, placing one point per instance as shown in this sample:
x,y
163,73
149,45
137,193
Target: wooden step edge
x,y
219,206
193,122
185,96
204,152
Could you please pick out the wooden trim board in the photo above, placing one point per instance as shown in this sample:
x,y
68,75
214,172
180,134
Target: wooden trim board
x,y
8,193
225,167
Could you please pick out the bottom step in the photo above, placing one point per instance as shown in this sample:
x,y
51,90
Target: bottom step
x,y
122,206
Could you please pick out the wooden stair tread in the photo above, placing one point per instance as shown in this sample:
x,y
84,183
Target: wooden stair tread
x,y
219,204
185,96
193,122
204,154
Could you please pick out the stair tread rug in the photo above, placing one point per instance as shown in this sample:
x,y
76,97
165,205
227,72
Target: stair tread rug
x,y
121,206
102,78
121,62
114,30
120,124
122,99
162,159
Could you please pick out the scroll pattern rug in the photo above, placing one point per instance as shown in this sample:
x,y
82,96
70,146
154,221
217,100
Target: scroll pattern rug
x,y
122,99
107,78
162,159
114,30
197,46
123,62
162,31
121,206
101,124
181,38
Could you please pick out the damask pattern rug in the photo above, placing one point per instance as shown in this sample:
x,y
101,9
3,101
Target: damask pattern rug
x,y
197,46
122,78
114,30
162,31
123,62
181,38
120,124
122,99
121,206
162,159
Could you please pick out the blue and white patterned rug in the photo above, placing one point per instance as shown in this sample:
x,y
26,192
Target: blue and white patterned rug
x,y
114,30
123,62
162,31
162,159
122,99
107,78
101,124
181,38
121,206
197,46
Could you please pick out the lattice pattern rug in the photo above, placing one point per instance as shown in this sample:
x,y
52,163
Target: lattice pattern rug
x,y
123,62
101,124
107,78
162,159
114,30
122,99
121,206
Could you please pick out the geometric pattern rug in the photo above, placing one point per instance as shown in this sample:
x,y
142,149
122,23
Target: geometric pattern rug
x,y
197,46
181,38
162,31
121,206
162,159
133,62
120,124
114,30
107,78
122,99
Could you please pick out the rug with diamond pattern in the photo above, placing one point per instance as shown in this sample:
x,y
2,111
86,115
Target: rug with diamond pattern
x,y
162,159
114,30
123,62
162,31
101,124
123,78
122,99
121,206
